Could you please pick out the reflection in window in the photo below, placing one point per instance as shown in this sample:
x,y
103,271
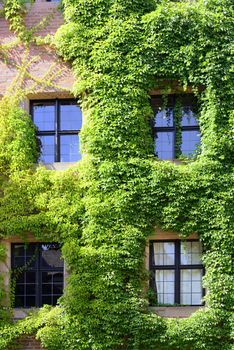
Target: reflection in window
x,y
188,117
190,142
69,147
59,123
47,149
44,116
164,145
70,116
38,274
177,272
164,117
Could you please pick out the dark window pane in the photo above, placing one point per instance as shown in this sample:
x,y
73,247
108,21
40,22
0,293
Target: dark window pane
x,y
46,300
58,289
30,289
19,250
164,117
19,289
58,277
31,262
69,148
20,277
70,116
47,149
188,117
47,277
51,256
30,301
164,145
46,289
48,270
55,299
19,301
52,276
44,116
31,249
190,141
30,277
19,262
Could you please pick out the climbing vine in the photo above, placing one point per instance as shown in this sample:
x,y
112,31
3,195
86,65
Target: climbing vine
x,y
104,209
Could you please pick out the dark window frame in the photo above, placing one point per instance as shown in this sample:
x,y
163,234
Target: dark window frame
x,y
38,269
56,132
173,128
176,267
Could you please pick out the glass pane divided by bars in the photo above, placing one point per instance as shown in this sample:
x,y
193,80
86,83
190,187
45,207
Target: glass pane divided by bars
x,y
37,274
58,124
176,129
176,272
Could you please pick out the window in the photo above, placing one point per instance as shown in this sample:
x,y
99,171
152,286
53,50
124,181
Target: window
x,y
58,123
37,274
176,129
176,272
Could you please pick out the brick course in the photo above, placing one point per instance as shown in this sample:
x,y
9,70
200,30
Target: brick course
x,y
46,56
27,343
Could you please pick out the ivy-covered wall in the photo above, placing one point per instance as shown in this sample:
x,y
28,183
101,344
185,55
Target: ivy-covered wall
x,y
104,209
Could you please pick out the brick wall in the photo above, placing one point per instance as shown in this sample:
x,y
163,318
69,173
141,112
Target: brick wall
x,y
27,343
46,56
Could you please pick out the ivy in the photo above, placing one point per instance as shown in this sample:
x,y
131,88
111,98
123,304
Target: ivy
x,y
104,209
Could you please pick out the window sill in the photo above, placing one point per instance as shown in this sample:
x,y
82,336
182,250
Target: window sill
x,y
20,313
175,311
58,165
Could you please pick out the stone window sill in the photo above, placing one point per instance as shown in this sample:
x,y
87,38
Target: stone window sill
x,y
175,311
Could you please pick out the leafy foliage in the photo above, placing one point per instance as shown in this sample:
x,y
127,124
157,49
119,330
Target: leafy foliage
x,y
104,209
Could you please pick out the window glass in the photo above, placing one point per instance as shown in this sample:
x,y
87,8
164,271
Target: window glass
x,y
58,124
164,117
190,141
165,285
69,147
70,116
191,287
41,281
191,253
164,145
51,256
188,117
44,116
164,253
185,131
176,272
47,149
19,250
30,301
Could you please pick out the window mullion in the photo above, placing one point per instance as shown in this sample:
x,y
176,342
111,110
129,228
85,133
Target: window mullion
x,y
177,272
57,127
38,291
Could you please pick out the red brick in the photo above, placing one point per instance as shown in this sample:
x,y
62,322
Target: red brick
x,y
46,56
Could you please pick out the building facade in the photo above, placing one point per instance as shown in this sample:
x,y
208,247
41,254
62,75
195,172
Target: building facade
x,y
58,119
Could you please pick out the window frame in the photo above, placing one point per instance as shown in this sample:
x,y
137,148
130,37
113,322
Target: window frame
x,y
56,132
172,128
38,269
177,267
